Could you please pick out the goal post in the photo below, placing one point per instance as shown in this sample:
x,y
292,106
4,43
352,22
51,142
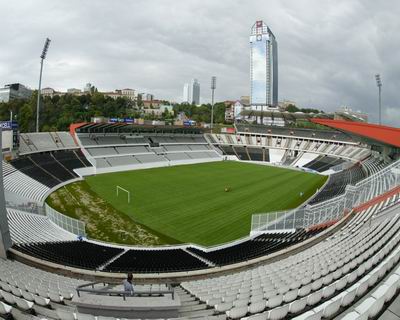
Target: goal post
x,y
119,188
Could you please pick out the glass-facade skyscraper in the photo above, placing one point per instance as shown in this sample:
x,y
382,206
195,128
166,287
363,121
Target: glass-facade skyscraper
x,y
191,92
195,88
263,66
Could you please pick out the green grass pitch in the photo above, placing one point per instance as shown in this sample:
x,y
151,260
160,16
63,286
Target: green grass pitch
x,y
190,203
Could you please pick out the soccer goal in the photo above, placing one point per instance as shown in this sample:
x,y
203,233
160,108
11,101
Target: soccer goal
x,y
120,189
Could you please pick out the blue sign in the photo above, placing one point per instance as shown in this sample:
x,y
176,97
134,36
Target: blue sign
x,y
8,125
189,123
122,120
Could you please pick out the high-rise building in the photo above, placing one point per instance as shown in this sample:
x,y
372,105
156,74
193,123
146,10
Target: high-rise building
x,y
146,96
87,88
14,91
195,92
191,92
186,93
263,66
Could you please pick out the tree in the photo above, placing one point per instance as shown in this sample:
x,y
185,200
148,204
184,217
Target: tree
x,y
292,108
25,118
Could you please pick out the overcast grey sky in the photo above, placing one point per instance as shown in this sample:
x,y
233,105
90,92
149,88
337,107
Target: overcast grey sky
x,y
329,51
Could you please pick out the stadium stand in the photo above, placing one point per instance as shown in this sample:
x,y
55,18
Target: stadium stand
x,y
323,163
149,261
279,147
337,183
373,165
257,154
46,245
7,169
298,132
70,159
150,149
250,249
349,272
81,254
22,185
30,228
45,141
345,268
51,168
32,283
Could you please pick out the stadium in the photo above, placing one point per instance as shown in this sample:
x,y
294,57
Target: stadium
x,y
265,222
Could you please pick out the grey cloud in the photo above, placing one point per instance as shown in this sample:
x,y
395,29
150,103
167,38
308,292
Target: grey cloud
x,y
329,51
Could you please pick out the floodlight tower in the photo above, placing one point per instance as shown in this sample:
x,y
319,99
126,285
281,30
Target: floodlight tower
x,y
379,84
213,87
42,57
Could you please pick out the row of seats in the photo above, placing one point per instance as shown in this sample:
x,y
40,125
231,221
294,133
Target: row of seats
x,y
372,211
323,163
373,165
7,168
30,228
261,245
24,186
80,254
298,132
44,243
45,141
95,139
92,256
150,261
152,157
337,183
318,281
51,168
25,288
328,148
140,149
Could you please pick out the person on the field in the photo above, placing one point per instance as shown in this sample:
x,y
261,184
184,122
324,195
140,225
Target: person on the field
x,y
128,284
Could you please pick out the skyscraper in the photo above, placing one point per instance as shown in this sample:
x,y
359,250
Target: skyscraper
x,y
263,66
186,93
191,92
195,92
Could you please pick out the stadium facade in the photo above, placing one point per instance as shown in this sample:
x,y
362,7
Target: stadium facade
x,y
263,66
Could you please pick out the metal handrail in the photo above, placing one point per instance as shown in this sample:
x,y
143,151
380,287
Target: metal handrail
x,y
123,294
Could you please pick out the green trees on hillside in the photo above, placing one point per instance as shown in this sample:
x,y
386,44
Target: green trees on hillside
x,y
203,112
58,112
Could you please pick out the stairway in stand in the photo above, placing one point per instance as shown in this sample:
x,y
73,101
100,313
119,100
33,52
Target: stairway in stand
x,y
192,308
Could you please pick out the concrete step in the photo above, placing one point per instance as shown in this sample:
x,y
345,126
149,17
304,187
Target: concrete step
x,y
190,303
193,308
199,313
186,297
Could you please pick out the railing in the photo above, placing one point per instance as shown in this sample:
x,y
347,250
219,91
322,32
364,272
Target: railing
x,y
332,209
123,294
31,207
67,223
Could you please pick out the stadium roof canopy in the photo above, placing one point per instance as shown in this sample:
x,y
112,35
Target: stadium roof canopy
x,y
382,134
121,127
287,116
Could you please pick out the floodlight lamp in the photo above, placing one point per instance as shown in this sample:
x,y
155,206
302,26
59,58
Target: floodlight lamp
x,y
45,48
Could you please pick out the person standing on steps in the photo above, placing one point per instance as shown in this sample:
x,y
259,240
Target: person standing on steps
x,y
128,284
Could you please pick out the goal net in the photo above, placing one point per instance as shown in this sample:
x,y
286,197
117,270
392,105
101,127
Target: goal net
x,y
119,190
